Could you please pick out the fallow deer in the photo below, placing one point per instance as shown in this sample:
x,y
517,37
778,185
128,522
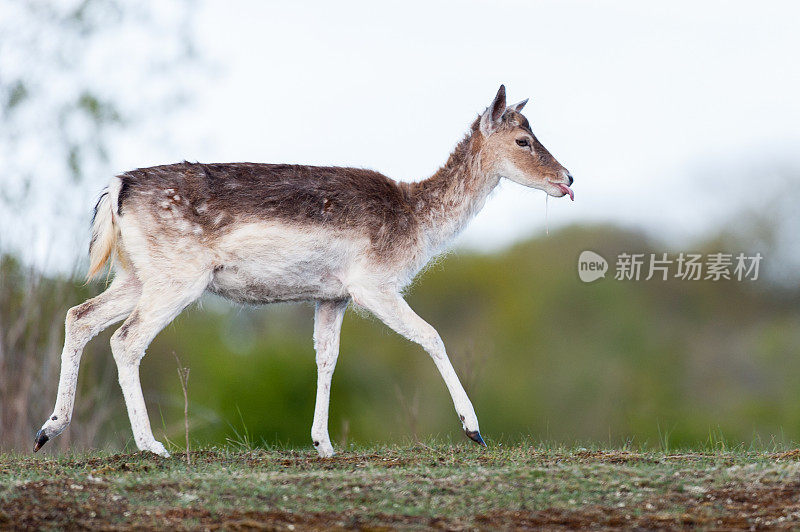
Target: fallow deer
x,y
264,233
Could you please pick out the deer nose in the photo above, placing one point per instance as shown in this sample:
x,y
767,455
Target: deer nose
x,y
569,179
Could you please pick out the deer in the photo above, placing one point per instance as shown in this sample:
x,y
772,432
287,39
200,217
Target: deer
x,y
264,233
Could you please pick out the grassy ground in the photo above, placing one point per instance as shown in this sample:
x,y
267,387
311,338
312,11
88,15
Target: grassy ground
x,y
421,486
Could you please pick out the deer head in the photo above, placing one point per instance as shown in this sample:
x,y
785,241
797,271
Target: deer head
x,y
509,149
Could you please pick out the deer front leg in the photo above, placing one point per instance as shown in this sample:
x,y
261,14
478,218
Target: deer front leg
x,y
327,326
392,309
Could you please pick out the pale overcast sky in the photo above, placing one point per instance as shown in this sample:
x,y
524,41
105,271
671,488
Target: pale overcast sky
x,y
639,100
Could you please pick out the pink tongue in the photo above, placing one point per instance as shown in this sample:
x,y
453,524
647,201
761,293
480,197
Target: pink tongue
x,y
566,190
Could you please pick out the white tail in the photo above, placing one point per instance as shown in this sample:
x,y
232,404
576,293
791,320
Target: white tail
x,y
104,231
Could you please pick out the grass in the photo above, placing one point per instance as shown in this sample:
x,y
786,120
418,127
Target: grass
x,y
419,486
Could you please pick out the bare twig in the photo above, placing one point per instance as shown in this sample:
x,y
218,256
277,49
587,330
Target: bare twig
x,y
345,433
183,375
470,364
410,411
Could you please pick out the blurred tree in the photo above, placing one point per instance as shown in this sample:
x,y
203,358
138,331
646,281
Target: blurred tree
x,y
768,218
73,75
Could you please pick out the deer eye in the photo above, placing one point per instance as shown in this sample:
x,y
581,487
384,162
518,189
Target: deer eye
x,y
523,142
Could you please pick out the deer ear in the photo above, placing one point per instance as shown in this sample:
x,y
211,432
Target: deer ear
x,y
491,117
518,106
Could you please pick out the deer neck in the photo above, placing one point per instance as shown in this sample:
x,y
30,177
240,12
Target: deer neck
x,y
452,196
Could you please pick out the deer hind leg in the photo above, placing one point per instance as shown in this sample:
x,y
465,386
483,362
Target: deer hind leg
x,y
83,322
391,308
327,326
158,306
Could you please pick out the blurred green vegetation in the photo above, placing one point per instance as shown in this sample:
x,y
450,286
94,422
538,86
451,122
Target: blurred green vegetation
x,y
543,356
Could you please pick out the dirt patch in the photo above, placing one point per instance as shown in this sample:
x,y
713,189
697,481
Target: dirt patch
x,y
763,505
338,462
613,457
128,462
93,505
176,519
794,454
760,507
61,503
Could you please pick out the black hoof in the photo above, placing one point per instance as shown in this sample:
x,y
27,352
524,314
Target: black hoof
x,y
40,439
475,436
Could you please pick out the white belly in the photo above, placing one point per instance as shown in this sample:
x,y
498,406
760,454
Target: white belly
x,y
270,262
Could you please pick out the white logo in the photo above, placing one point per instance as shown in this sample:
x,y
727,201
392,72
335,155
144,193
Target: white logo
x,y
591,266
